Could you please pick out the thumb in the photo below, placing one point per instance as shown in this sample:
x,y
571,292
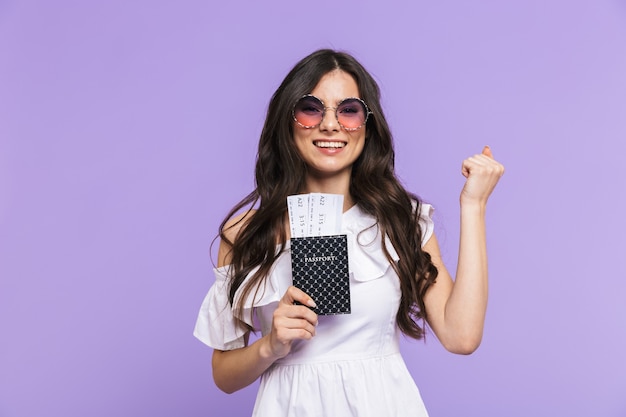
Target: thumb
x,y
487,152
295,294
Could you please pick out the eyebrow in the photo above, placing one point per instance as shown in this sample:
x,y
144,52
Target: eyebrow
x,y
337,101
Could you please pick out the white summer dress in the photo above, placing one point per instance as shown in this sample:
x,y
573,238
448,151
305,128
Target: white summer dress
x,y
353,366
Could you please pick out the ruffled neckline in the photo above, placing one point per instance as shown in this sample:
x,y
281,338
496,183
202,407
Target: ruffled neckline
x,y
216,325
366,261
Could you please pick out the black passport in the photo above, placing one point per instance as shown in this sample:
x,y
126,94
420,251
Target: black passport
x,y
319,266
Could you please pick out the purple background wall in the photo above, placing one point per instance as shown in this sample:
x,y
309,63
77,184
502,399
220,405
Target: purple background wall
x,y
127,129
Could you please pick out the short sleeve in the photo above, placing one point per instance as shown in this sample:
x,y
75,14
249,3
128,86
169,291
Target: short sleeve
x,y
216,325
426,222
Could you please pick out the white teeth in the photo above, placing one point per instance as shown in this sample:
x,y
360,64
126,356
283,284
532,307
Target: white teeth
x,y
329,144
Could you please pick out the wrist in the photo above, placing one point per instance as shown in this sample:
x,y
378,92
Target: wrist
x,y
473,206
265,350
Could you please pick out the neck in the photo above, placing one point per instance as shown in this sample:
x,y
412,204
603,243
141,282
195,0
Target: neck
x,y
331,185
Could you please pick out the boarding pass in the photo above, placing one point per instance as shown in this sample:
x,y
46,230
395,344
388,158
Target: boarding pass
x,y
315,214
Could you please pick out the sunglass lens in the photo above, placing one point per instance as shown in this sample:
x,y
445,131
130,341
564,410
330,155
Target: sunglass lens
x,y
308,111
351,113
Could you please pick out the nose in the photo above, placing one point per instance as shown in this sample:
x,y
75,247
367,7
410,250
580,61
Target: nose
x,y
329,120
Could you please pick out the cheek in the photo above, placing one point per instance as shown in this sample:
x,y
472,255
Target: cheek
x,y
297,137
300,138
362,142
359,137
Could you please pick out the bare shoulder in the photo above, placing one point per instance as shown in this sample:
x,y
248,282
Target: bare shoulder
x,y
234,225
231,230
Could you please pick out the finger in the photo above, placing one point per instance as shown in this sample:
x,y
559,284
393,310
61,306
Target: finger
x,y
297,324
289,335
295,294
294,311
294,317
481,160
465,170
487,151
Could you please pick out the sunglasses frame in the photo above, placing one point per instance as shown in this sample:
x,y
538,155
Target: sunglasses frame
x,y
348,129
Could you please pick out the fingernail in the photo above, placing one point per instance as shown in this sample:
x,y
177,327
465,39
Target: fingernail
x,y
311,303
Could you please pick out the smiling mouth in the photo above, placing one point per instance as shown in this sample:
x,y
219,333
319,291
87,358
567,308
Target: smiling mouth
x,y
329,144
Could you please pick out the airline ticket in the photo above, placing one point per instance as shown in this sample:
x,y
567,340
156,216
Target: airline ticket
x,y
315,214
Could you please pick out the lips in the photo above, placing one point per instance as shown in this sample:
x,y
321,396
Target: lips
x,y
332,144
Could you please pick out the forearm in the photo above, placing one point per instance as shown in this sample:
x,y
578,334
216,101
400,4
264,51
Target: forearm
x,y
466,307
238,368
457,308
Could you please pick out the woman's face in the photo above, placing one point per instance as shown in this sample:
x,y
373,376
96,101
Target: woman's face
x,y
328,149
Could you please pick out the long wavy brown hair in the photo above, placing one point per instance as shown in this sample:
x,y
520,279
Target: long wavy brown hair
x,y
280,171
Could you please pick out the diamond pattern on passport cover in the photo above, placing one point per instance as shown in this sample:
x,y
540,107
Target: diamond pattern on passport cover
x,y
319,266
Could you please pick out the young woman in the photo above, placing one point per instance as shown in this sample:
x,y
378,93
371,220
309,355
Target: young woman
x,y
325,132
